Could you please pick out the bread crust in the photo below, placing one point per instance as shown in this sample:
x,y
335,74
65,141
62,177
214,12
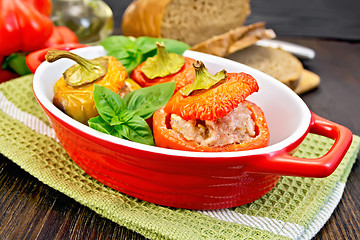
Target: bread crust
x,y
143,18
234,40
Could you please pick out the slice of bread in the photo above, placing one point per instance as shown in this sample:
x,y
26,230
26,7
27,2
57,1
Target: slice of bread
x,y
308,81
275,62
234,40
189,21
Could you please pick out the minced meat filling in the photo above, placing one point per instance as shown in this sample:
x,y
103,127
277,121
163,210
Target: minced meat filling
x,y
124,90
237,126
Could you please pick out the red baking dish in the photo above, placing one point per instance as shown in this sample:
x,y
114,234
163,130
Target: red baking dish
x,y
197,180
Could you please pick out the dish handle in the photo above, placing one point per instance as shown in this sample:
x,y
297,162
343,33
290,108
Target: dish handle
x,y
285,164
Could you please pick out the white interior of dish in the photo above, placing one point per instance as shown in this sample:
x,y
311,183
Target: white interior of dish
x,y
287,115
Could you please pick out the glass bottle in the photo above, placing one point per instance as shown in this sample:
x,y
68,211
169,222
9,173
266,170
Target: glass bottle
x,y
91,20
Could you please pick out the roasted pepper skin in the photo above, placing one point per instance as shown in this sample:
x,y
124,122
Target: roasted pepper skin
x,y
216,102
24,25
184,76
78,102
210,105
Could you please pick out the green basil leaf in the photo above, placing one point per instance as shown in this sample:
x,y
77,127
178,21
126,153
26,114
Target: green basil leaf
x,y
174,45
121,54
151,53
101,125
129,58
132,51
118,42
108,103
145,101
135,129
148,44
145,44
123,117
124,49
131,63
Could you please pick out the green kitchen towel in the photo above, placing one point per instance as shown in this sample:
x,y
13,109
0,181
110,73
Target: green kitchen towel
x,y
296,208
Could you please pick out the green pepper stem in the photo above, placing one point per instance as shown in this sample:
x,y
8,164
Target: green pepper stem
x,y
163,55
86,71
163,63
54,55
200,69
203,79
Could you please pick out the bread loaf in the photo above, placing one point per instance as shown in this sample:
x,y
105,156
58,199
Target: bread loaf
x,y
190,21
275,62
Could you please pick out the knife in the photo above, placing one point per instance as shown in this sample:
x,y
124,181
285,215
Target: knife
x,y
299,51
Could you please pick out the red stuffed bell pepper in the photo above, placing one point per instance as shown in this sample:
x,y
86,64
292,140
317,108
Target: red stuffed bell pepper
x,y
164,67
212,117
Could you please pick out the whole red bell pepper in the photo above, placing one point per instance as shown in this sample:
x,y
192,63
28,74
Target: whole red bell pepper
x,y
24,25
43,6
61,35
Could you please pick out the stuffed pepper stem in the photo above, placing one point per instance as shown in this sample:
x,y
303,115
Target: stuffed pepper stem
x,y
164,67
86,71
163,63
203,79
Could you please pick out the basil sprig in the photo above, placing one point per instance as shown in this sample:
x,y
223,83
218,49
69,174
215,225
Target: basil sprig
x,y
132,51
125,118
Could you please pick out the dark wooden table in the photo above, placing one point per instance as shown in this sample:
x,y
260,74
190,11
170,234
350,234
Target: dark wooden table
x,y
31,210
